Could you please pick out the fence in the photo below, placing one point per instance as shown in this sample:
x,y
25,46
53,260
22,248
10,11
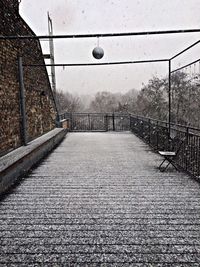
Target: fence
x,y
156,134
97,121
153,132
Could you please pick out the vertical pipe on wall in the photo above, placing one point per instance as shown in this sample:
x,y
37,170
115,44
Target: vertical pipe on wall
x,y
169,100
22,102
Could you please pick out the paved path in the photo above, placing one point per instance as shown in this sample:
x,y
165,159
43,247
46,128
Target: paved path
x,y
99,200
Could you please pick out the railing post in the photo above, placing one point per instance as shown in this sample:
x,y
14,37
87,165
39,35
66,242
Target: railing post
x,y
113,119
187,135
157,135
142,128
186,148
22,102
137,128
106,122
149,122
89,123
198,168
71,122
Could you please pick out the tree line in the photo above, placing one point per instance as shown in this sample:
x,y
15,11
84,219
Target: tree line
x,y
151,101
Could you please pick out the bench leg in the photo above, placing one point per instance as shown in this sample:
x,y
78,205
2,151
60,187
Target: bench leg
x,y
161,164
165,167
169,162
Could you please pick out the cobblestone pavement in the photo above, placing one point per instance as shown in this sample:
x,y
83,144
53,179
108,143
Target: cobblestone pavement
x,y
99,200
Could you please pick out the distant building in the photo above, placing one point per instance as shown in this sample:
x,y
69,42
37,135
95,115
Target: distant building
x,y
40,104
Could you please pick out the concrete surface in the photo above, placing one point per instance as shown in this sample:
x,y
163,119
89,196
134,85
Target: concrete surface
x,y
100,200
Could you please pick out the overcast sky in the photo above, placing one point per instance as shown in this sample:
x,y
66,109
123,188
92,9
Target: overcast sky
x,y
107,16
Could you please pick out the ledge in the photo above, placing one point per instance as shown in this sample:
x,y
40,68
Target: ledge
x,y
18,162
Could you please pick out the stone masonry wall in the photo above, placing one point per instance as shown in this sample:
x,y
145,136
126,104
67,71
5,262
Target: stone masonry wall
x,y
40,104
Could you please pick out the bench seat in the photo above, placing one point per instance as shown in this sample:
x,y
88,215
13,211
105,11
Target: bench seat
x,y
167,153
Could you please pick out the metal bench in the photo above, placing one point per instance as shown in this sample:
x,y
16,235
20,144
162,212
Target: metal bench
x,y
171,155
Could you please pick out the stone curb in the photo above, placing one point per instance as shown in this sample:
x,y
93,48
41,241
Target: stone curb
x,y
18,162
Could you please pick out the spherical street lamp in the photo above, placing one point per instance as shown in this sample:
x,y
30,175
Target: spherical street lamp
x,y
98,52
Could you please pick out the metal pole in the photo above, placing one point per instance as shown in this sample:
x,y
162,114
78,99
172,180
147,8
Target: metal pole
x,y
52,60
22,102
106,122
169,100
185,66
113,119
149,126
71,122
157,135
96,35
130,122
89,123
186,147
186,49
97,64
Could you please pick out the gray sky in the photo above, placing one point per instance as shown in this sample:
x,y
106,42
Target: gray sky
x,y
107,16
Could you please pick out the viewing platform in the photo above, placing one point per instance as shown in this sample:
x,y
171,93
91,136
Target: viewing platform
x,y
100,200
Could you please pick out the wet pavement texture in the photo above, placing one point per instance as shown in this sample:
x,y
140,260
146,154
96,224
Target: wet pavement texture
x,y
100,200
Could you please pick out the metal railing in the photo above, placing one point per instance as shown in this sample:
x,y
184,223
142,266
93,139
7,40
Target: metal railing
x,y
153,132
156,134
96,121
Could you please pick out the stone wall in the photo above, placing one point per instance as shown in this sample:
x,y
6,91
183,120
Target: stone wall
x,y
40,104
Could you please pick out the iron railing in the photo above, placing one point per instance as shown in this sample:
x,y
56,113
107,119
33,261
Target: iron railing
x,y
96,121
153,132
156,134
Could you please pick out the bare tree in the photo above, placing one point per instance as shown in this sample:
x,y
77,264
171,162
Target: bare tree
x,y
151,101
68,102
104,102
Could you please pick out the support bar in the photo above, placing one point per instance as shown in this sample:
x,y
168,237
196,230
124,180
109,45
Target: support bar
x,y
169,100
185,66
96,35
186,49
96,64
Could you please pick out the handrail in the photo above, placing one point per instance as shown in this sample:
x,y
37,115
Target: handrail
x,y
165,122
186,127
156,134
152,131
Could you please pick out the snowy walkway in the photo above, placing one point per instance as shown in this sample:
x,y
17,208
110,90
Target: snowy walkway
x,y
99,200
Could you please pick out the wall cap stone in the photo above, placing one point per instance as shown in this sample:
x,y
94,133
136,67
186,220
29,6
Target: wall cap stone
x,y
18,162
